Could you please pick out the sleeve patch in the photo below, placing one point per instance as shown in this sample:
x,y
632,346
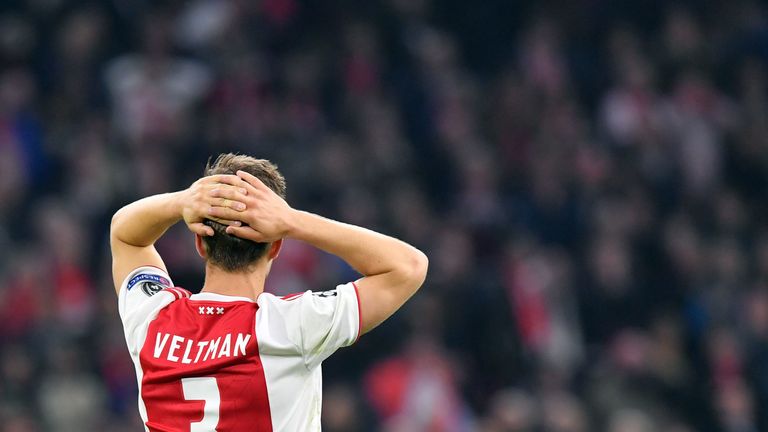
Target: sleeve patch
x,y
325,294
150,284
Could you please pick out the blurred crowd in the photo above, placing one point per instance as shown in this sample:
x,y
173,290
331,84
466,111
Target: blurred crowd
x,y
589,179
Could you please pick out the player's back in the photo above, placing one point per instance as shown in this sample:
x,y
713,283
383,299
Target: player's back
x,y
201,367
209,362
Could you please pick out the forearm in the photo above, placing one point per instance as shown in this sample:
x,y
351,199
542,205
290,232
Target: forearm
x,y
368,252
142,222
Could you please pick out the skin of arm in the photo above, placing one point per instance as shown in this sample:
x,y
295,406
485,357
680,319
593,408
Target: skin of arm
x,y
393,270
136,227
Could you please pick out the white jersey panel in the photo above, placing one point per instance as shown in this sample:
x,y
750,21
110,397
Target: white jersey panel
x,y
295,334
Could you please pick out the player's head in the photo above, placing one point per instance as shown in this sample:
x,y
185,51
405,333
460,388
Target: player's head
x,y
226,251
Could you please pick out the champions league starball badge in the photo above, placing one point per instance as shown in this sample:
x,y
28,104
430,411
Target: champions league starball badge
x,y
151,288
329,293
151,284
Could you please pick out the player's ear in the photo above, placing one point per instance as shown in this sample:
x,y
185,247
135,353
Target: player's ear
x,y
200,247
274,249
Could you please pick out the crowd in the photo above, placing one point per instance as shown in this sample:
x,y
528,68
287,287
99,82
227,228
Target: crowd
x,y
588,178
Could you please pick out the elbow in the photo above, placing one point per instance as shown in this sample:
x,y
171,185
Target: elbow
x,y
422,266
114,226
115,221
416,268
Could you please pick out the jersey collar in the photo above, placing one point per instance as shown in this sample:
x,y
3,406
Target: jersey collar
x,y
219,297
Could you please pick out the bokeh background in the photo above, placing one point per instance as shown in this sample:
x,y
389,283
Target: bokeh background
x,y
588,177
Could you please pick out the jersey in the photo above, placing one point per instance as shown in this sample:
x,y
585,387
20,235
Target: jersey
x,y
210,362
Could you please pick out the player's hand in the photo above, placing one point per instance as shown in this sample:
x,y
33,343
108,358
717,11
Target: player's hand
x,y
267,215
198,200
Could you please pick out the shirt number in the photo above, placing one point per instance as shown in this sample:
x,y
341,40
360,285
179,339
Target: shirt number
x,y
205,389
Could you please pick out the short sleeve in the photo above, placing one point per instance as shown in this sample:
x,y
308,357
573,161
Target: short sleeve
x,y
318,323
144,291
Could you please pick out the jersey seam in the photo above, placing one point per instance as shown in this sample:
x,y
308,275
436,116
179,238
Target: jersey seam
x,y
301,335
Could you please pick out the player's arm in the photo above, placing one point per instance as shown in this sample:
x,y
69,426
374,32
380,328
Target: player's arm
x,y
136,227
393,269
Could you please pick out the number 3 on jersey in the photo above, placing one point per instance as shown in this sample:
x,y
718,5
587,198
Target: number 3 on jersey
x,y
207,390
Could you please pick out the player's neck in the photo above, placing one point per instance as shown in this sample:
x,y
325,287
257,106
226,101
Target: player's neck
x,y
248,285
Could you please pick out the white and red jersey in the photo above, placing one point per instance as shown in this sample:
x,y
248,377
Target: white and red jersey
x,y
210,362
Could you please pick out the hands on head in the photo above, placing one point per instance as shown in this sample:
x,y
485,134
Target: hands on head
x,y
198,201
249,208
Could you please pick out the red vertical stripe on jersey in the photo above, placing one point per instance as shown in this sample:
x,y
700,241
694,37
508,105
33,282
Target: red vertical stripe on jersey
x,y
180,292
166,360
291,296
359,313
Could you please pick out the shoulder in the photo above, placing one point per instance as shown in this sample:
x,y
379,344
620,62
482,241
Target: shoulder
x,y
294,300
307,306
311,323
143,294
145,290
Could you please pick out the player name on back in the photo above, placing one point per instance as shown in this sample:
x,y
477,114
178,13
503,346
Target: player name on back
x,y
179,349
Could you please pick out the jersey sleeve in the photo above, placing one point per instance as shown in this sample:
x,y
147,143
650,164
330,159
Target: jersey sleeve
x,y
142,294
319,323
